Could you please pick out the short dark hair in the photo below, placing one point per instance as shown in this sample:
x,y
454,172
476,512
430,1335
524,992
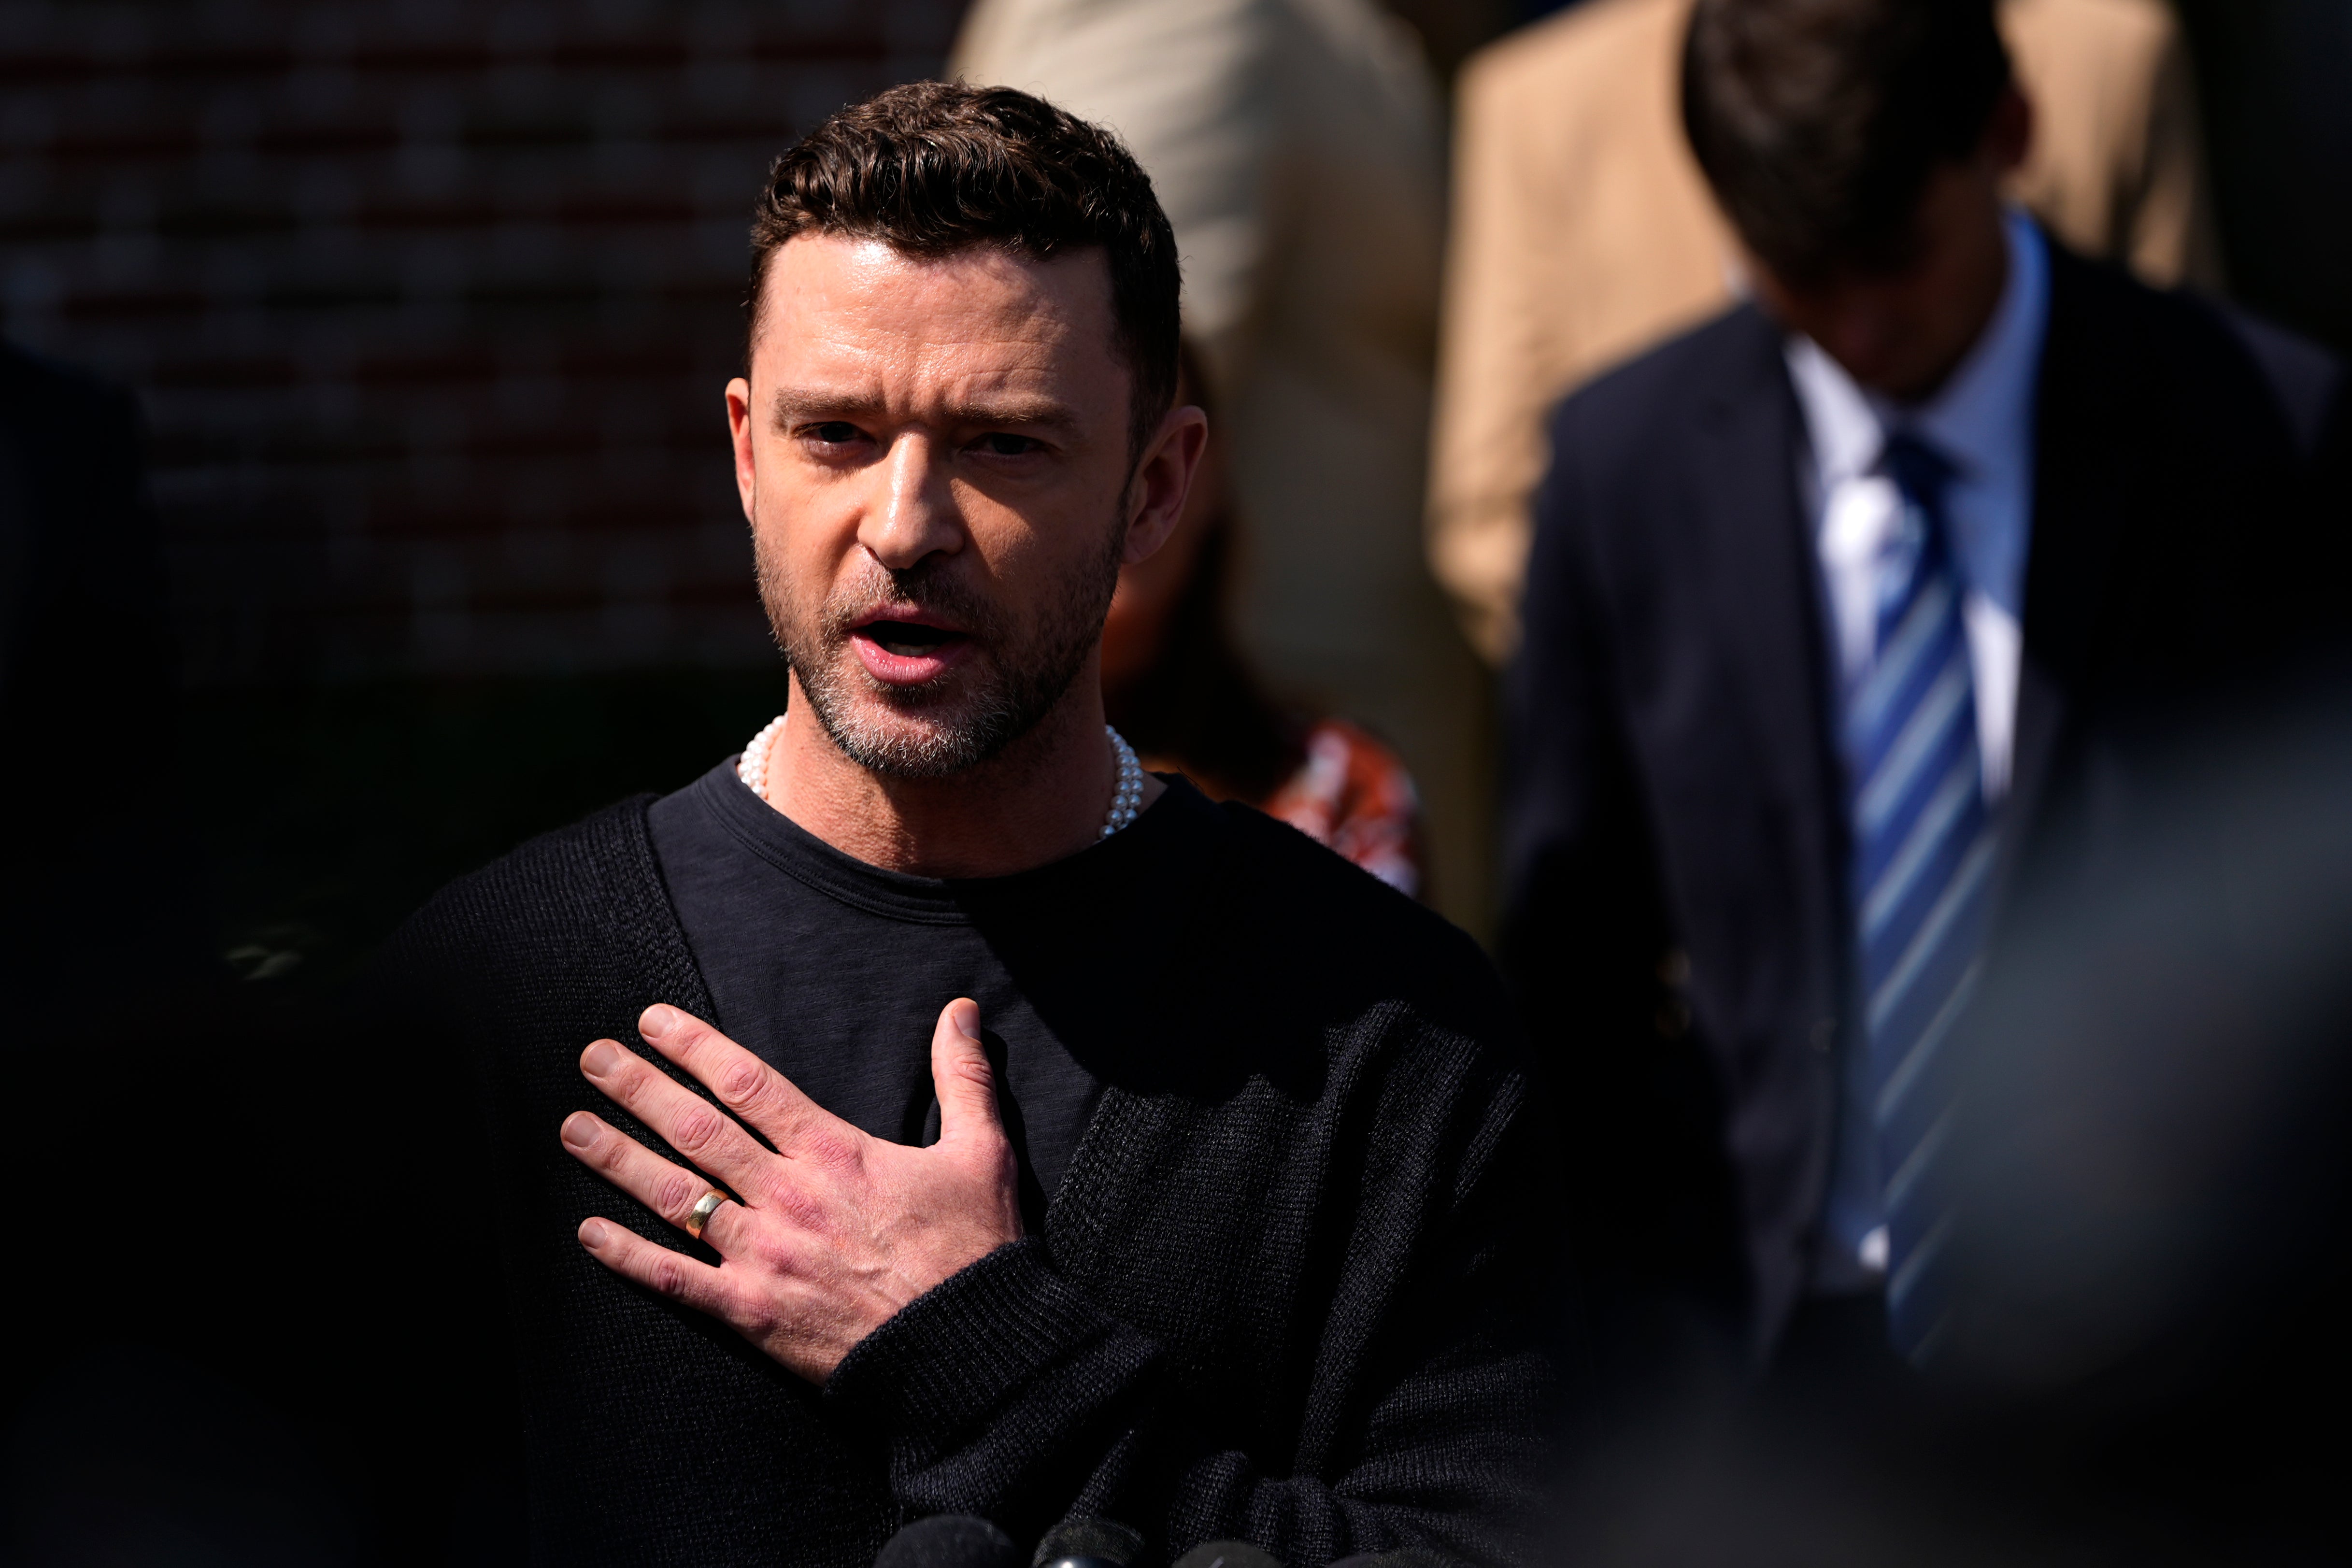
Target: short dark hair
x,y
931,168
1819,122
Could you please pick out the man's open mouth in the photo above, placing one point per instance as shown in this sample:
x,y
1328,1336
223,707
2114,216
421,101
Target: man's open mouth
x,y
909,639
906,649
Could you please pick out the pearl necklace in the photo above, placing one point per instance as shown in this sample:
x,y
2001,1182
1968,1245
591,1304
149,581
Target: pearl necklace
x,y
753,767
1126,798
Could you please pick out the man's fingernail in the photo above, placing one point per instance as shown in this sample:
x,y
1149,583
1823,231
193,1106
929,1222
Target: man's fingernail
x,y
602,1059
578,1130
591,1234
967,1022
655,1021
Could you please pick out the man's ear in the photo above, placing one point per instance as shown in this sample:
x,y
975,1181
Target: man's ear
x,y
739,427
1162,481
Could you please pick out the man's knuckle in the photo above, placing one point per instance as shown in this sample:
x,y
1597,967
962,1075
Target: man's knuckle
x,y
697,1128
801,1207
668,1275
675,1195
771,1252
833,1154
741,1083
766,1187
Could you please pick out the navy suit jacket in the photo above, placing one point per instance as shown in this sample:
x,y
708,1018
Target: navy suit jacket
x,y
1676,842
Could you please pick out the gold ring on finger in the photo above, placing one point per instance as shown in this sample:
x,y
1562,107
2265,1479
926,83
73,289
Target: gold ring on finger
x,y
704,1207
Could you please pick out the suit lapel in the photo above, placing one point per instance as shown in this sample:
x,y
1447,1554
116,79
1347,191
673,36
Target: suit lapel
x,y
1762,619
2082,463
1767,594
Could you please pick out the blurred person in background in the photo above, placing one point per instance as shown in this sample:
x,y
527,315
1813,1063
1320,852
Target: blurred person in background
x,y
1584,233
1846,609
1175,686
1297,147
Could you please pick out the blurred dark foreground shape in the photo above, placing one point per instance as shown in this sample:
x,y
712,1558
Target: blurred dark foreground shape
x,y
98,898
2150,1357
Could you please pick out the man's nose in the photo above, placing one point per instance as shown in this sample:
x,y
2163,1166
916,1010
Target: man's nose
x,y
915,515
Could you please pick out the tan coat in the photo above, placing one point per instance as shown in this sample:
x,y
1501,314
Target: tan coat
x,y
1298,146
1583,232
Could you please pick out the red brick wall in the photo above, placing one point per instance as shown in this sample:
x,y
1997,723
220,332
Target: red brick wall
x,y
430,303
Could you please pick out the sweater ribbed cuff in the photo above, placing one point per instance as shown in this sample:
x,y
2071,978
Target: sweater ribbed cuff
x,y
951,1357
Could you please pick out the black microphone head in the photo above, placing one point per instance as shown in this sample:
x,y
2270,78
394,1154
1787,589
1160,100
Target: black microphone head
x,y
949,1541
1398,1557
1079,1542
1227,1554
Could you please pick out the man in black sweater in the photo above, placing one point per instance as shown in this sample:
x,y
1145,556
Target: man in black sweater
x,y
1074,1145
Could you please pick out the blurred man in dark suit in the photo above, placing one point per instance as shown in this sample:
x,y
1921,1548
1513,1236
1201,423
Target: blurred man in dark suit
x,y
1847,609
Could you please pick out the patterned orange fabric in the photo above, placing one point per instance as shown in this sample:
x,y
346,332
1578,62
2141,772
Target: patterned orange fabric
x,y
1353,793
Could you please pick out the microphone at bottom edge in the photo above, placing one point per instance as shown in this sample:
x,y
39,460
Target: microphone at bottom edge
x,y
950,1541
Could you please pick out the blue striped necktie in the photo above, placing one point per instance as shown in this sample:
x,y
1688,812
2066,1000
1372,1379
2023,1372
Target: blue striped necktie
x,y
1923,856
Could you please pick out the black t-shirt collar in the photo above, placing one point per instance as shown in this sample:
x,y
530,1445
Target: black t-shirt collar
x,y
1176,820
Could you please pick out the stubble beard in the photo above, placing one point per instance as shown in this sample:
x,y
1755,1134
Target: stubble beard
x,y
965,716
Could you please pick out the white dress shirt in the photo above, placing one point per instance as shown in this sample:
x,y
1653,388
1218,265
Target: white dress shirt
x,y
1981,422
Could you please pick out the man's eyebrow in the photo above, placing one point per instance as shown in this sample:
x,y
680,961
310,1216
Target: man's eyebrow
x,y
796,404
792,404
1020,412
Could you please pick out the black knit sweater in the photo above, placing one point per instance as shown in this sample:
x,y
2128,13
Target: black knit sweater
x,y
1282,1293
